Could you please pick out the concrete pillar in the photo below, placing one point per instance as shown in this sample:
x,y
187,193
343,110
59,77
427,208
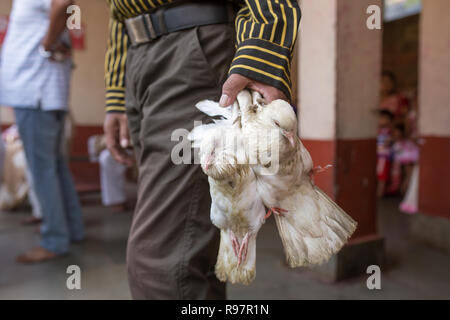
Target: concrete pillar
x,y
433,222
339,72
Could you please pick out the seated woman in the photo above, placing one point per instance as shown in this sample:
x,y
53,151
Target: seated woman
x,y
112,175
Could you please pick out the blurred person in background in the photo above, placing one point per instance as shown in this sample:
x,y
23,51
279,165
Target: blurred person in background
x,y
17,180
112,174
14,186
405,155
384,155
391,99
35,81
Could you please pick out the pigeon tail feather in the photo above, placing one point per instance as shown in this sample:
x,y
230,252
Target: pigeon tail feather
x,y
311,234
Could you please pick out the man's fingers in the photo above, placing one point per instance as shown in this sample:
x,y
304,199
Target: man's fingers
x,y
280,95
108,128
111,135
234,84
116,129
268,93
125,142
117,154
113,147
124,135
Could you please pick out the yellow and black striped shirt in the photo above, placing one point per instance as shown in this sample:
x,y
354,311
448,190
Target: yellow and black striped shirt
x,y
266,34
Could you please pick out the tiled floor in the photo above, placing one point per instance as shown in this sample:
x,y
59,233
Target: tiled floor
x,y
414,270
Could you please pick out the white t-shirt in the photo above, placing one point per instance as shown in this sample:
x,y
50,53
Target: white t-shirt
x,y
27,79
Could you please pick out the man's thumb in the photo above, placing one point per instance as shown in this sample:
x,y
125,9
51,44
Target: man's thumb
x,y
234,84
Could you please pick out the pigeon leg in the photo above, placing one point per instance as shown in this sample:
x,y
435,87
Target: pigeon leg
x,y
235,243
275,210
243,249
268,214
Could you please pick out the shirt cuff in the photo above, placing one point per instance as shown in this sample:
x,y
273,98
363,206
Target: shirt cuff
x,y
264,61
115,99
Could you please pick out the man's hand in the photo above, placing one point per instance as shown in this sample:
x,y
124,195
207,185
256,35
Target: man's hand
x,y
236,82
117,137
61,52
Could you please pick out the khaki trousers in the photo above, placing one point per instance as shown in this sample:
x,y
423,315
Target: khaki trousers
x,y
172,247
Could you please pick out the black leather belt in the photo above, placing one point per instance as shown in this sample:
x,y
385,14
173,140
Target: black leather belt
x,y
150,26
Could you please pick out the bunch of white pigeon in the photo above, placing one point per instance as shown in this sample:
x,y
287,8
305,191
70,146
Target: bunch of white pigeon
x,y
254,160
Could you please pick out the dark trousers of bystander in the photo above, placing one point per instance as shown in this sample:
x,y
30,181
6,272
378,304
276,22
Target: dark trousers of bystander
x,y
172,247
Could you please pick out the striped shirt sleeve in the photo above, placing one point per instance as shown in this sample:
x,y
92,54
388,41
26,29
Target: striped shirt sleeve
x,y
116,55
266,34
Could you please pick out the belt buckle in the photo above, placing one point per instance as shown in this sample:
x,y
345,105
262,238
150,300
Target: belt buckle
x,y
140,29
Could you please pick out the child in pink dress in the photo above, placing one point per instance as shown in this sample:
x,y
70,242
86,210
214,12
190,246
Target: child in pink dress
x,y
405,156
384,154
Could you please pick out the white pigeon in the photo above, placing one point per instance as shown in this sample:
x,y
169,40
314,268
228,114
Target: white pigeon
x,y
236,208
312,227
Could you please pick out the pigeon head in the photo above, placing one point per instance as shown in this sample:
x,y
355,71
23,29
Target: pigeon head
x,y
214,158
280,115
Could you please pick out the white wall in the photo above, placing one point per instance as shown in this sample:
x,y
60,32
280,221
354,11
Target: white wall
x,y
317,74
434,93
340,67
